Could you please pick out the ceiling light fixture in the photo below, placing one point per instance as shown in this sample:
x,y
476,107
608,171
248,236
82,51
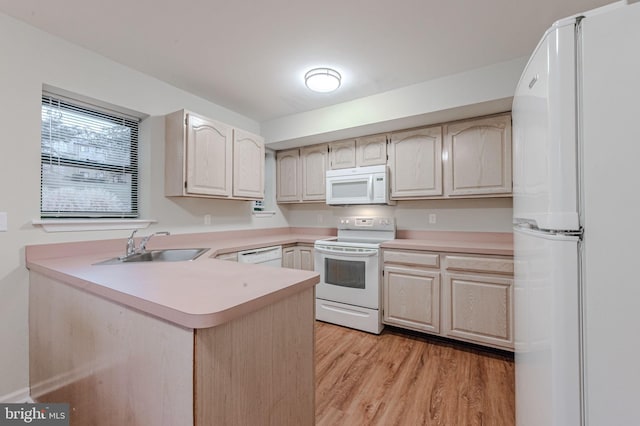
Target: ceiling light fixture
x,y
322,80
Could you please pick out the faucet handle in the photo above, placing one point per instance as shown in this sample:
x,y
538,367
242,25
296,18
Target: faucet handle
x,y
131,244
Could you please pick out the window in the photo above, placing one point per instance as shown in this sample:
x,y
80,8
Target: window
x,y
89,161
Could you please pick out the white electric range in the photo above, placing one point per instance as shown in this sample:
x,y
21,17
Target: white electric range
x,y
350,269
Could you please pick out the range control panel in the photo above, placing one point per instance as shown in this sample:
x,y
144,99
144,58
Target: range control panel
x,y
371,223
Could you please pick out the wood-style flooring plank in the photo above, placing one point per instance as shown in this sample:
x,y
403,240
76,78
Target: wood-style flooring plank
x,y
403,379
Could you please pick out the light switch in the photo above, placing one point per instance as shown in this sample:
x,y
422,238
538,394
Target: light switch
x,y
3,221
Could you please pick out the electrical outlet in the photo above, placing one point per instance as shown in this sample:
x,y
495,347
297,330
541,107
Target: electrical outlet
x,y
432,218
207,219
320,220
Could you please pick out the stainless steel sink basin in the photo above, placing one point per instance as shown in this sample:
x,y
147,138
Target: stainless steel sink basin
x,y
167,255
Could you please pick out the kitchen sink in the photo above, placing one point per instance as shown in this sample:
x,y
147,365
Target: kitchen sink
x,y
166,255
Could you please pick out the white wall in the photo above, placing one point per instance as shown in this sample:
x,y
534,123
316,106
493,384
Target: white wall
x,y
479,215
481,91
31,58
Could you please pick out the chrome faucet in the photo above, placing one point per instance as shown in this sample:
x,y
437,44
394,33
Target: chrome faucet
x,y
131,243
145,240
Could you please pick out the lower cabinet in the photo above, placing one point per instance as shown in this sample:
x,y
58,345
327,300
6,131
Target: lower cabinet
x,y
298,257
295,257
306,258
291,257
459,296
412,298
479,309
478,299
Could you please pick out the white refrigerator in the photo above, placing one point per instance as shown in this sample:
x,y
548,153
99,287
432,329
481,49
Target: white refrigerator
x,y
576,153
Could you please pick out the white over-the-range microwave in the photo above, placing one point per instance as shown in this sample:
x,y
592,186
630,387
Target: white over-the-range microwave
x,y
360,185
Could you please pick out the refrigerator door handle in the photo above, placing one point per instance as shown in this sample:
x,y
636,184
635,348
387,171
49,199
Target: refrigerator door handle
x,y
550,234
524,223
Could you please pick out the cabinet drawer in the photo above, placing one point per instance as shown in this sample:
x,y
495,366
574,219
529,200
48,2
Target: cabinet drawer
x,y
412,258
495,265
233,257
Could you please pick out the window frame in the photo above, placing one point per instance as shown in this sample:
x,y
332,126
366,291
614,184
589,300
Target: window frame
x,y
82,107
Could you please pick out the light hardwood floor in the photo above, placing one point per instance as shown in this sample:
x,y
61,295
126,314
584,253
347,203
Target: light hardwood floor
x,y
398,378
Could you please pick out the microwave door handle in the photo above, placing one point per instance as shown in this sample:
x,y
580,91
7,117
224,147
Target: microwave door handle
x,y
370,189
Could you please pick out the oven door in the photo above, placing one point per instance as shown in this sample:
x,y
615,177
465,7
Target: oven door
x,y
348,275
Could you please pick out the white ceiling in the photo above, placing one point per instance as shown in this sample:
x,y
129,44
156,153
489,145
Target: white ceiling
x,y
250,56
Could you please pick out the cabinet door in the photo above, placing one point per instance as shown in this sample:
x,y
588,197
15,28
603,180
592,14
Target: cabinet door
x,y
248,165
288,176
412,298
314,167
306,258
289,257
209,156
371,150
479,308
415,163
298,257
478,157
342,155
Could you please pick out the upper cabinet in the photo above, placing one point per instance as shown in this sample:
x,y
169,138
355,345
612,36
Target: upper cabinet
x,y
288,176
361,152
463,159
206,158
248,165
415,163
198,159
314,168
342,155
371,150
300,174
478,157
473,159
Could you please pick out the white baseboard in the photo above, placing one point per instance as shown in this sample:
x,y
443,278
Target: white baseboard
x,y
21,395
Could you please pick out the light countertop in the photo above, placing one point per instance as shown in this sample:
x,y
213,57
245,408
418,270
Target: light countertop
x,y
491,243
202,293
207,292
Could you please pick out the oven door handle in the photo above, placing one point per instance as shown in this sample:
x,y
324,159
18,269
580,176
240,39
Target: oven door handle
x,y
362,253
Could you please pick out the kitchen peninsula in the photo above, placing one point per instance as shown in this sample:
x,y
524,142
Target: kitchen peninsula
x,y
172,343
211,341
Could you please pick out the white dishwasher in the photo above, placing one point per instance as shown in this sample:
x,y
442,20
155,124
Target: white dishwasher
x,y
271,256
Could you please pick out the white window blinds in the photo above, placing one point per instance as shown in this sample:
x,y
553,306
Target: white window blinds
x,y
89,161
